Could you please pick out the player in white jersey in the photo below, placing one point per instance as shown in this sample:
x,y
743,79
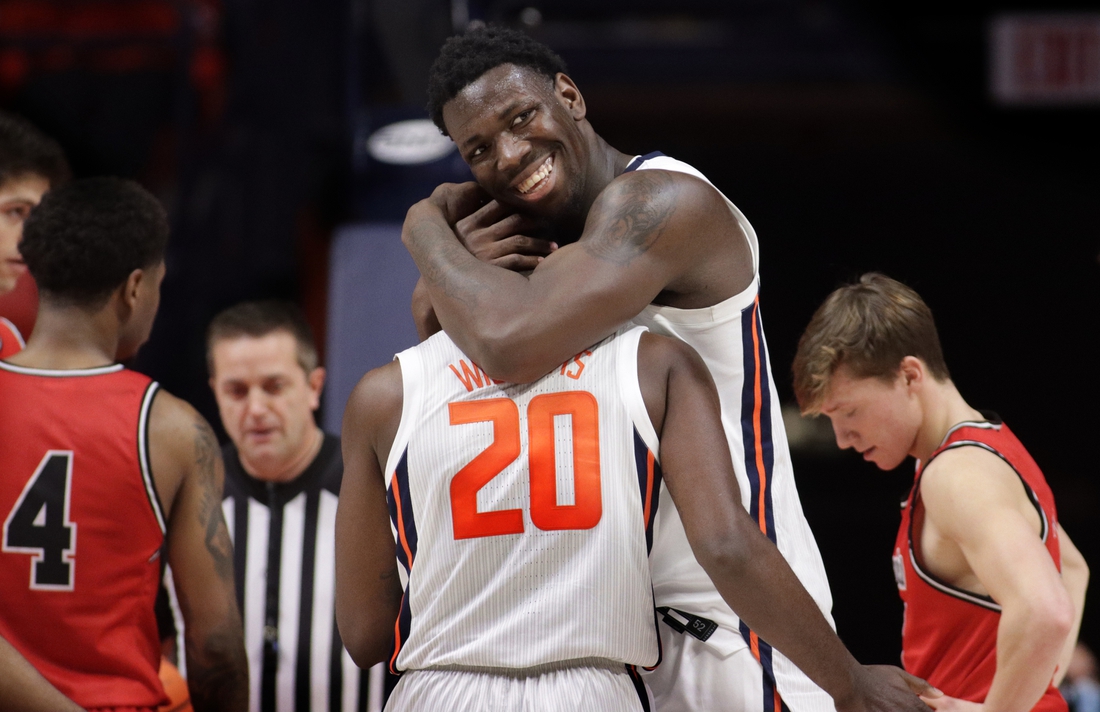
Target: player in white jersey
x,y
661,245
522,516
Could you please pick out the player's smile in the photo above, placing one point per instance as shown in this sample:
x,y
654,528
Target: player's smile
x,y
537,181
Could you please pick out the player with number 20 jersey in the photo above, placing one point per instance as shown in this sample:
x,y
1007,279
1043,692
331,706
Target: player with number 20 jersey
x,y
523,514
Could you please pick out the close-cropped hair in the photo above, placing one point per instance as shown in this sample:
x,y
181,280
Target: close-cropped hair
x,y
26,151
868,327
86,237
259,318
464,58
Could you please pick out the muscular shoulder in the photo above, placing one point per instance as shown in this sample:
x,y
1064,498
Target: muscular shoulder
x,y
179,439
967,482
373,411
661,360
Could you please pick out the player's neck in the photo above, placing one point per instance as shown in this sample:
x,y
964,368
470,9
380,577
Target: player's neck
x,y
70,337
944,408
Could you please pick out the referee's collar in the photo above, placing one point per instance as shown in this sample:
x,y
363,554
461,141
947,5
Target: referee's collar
x,y
239,481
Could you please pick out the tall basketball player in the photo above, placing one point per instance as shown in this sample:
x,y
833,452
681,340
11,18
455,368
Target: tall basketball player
x,y
644,238
523,518
104,472
993,587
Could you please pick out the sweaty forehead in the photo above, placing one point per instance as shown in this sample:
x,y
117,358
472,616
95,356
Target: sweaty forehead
x,y
491,96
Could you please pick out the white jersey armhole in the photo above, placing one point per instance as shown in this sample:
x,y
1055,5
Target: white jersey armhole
x,y
631,390
412,382
14,332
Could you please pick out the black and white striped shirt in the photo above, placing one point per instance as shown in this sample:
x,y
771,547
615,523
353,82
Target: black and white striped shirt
x,y
284,563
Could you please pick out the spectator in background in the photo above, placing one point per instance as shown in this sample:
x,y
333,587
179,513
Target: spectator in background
x,y
282,481
1080,686
30,164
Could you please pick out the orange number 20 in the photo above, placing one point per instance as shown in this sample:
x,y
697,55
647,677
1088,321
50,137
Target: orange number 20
x,y
546,513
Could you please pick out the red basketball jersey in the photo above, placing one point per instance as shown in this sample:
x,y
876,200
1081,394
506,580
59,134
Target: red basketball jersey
x,y
11,341
950,635
83,531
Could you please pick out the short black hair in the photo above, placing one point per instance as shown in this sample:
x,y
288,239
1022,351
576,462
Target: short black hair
x,y
26,151
260,318
85,238
464,58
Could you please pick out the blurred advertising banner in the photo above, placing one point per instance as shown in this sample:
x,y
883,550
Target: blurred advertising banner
x,y
1045,60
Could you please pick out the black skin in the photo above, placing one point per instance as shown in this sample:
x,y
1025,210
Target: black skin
x,y
745,566
626,240
188,474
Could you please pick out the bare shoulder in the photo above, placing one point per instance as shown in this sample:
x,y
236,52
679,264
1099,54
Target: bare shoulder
x,y
180,441
968,481
373,411
641,209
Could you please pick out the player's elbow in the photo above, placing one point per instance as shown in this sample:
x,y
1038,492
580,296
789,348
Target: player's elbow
x,y
722,554
367,641
1050,615
506,354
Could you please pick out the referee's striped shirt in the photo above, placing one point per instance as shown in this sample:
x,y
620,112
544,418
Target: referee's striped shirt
x,y
284,562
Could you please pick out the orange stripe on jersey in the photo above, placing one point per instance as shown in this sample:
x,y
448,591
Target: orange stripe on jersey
x,y
648,486
754,644
401,523
397,635
756,429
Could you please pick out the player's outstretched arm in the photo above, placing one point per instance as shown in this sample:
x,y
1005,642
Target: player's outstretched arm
x,y
644,233
23,689
368,592
1075,576
187,466
744,565
973,498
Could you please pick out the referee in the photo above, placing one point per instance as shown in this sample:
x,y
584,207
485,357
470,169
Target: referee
x,y
282,480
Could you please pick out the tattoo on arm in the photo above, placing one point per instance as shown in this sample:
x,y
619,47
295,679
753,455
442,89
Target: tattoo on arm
x,y
217,538
634,222
217,675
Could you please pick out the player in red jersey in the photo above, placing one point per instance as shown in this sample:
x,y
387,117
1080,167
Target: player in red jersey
x,y
103,471
30,162
988,617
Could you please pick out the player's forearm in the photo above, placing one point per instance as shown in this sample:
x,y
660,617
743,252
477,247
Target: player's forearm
x,y
217,668
760,586
1075,577
1029,641
478,304
23,689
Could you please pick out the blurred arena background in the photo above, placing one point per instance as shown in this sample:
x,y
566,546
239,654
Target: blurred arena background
x,y
953,146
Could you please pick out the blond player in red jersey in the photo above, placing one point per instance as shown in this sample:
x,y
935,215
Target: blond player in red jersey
x,y
30,163
989,620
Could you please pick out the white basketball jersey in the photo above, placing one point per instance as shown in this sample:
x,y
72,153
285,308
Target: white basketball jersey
x,y
730,338
522,512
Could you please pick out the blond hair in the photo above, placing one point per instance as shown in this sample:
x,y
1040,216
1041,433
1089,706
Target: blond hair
x,y
868,327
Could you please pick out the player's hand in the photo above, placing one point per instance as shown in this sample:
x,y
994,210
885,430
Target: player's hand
x,y
457,200
951,704
494,234
885,688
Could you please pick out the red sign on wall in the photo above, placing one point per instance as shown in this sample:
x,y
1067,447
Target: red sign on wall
x,y
1045,59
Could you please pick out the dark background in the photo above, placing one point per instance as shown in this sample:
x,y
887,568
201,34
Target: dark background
x,y
854,138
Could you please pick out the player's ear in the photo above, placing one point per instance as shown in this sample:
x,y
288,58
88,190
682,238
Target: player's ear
x,y
570,96
128,294
912,371
316,380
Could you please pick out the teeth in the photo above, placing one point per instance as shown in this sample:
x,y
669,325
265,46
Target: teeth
x,y
537,176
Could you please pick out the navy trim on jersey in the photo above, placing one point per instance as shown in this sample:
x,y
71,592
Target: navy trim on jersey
x,y
405,526
756,431
652,490
637,161
639,687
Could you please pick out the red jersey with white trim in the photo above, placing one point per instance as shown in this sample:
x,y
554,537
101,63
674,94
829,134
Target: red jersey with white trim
x,y
82,531
11,341
949,637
